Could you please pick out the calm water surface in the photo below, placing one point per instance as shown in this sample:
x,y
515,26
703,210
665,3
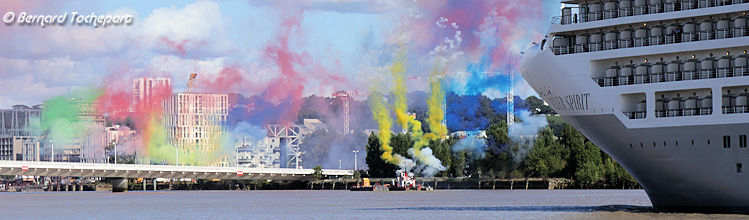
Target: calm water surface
x,y
448,204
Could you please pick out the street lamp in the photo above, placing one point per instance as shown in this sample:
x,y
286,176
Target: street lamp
x,y
115,152
52,159
355,159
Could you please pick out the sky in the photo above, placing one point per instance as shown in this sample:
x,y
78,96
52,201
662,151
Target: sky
x,y
271,48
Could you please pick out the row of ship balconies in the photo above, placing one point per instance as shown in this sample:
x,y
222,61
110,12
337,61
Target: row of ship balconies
x,y
615,9
693,105
675,107
645,35
675,70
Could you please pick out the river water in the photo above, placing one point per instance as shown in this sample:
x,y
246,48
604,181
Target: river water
x,y
309,204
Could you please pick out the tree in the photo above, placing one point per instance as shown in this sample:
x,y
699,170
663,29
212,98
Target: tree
x,y
589,165
401,142
575,142
442,151
317,174
377,166
547,158
497,136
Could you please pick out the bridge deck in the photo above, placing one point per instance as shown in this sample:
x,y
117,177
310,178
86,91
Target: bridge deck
x,y
32,168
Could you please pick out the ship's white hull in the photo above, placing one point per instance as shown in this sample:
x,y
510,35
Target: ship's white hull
x,y
670,157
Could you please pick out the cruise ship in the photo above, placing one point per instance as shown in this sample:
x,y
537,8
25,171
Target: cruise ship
x,y
662,87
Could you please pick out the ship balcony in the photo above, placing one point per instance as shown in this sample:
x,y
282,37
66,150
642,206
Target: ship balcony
x,y
650,35
674,70
595,11
672,104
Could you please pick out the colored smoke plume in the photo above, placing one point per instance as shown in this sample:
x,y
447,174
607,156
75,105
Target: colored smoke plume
x,y
381,114
471,143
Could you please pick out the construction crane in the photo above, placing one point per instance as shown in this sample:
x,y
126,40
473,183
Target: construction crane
x,y
192,82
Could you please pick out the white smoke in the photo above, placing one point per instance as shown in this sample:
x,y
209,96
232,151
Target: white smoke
x,y
472,143
430,165
527,127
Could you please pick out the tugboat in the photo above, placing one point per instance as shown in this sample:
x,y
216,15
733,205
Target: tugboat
x,y
404,181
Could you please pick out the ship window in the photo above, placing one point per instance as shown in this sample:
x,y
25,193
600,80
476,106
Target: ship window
x,y
738,167
641,144
630,145
653,144
742,141
677,143
708,141
664,143
692,142
726,141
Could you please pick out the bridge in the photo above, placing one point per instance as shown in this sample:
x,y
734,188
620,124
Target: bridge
x,y
120,172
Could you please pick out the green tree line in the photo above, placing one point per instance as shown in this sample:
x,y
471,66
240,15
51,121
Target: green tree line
x,y
558,151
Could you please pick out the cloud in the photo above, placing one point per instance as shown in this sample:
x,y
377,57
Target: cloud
x,y
196,30
343,6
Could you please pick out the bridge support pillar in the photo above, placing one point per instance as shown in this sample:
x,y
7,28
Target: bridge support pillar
x,y
119,184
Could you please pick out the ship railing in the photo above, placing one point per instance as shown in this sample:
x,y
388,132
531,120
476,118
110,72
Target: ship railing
x,y
609,14
691,112
707,73
626,80
689,37
688,75
672,39
741,109
673,113
728,109
706,111
673,76
706,3
567,19
639,10
706,35
660,113
657,40
723,72
655,8
635,115
641,79
609,45
641,41
561,50
688,4
722,34
740,32
671,7
595,16
581,48
595,47
740,71
656,78
624,12
626,43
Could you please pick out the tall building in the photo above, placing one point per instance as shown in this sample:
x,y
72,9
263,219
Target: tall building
x,y
195,122
145,88
343,99
20,132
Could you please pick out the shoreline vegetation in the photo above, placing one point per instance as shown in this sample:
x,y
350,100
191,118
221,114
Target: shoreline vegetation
x,y
558,151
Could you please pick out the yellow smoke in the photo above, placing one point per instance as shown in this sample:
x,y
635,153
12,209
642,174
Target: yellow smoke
x,y
400,106
382,116
435,107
